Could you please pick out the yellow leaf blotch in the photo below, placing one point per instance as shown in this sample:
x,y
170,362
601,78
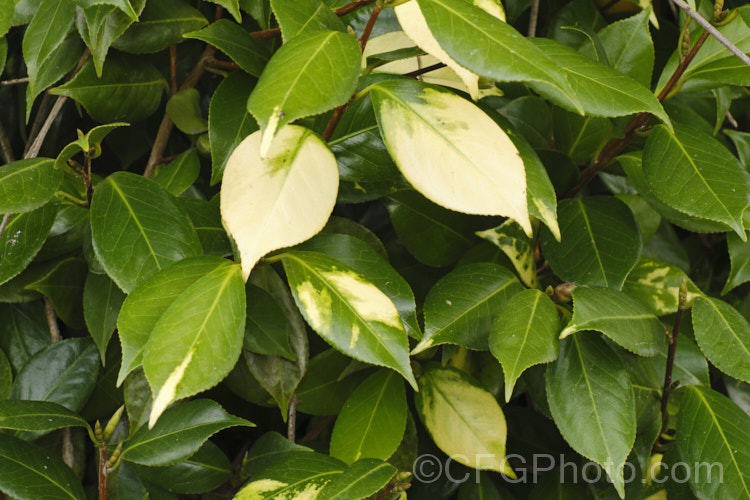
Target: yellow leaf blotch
x,y
168,390
367,299
317,306
281,199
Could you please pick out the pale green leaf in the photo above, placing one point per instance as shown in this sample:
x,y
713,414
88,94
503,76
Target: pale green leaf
x,y
460,308
362,479
372,422
304,16
524,334
432,134
592,402
348,311
510,238
197,340
179,174
306,76
281,199
692,172
656,285
621,318
232,6
464,420
723,334
90,144
184,109
600,242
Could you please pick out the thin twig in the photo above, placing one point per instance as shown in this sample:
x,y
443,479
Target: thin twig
x,y
41,114
368,28
103,473
173,69
4,223
616,146
5,146
218,63
87,181
533,16
68,452
713,31
54,329
291,429
422,71
15,81
315,431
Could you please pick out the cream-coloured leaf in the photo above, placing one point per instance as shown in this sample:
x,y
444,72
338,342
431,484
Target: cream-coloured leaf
x,y
281,199
451,151
412,21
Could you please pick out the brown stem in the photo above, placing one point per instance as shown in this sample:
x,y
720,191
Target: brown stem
x,y
341,11
15,81
165,127
54,329
217,63
315,431
368,28
41,115
533,17
103,472
422,71
173,68
87,181
616,146
5,146
291,429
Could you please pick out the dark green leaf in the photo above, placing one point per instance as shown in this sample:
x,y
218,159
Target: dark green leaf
x,y
266,329
28,472
524,334
90,144
306,76
234,41
130,89
152,229
161,24
621,318
592,402
66,235
37,416
28,184
179,174
184,109
324,389
712,431
690,366
460,308
372,422
64,373
304,16
267,450
656,285
124,5
739,258
23,331
723,334
63,286
206,219
179,433
600,242
580,137
102,300
232,6
23,238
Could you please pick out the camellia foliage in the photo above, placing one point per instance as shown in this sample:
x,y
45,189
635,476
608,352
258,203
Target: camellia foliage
x,y
325,249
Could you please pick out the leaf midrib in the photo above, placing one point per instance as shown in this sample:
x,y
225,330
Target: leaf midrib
x,y
726,322
142,230
364,432
593,241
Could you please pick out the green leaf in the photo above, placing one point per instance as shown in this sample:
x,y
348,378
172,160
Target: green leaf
x,y
179,174
206,219
28,472
739,257
362,479
464,420
206,470
147,239
325,387
710,426
197,340
63,286
291,190
491,48
268,449
304,16
266,329
7,8
102,300
228,120
690,366
234,41
6,376
23,331
600,242
592,402
28,184
123,5
4,43
510,238
300,473
342,225
306,76
64,373
100,25
90,144
580,137
23,238
692,172
348,311
37,416
184,109
460,308
656,285
621,318
359,256
46,54
179,433
145,305
450,131
524,334
66,235
372,422
741,142
434,235
161,24
232,6
723,334
629,47
129,90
